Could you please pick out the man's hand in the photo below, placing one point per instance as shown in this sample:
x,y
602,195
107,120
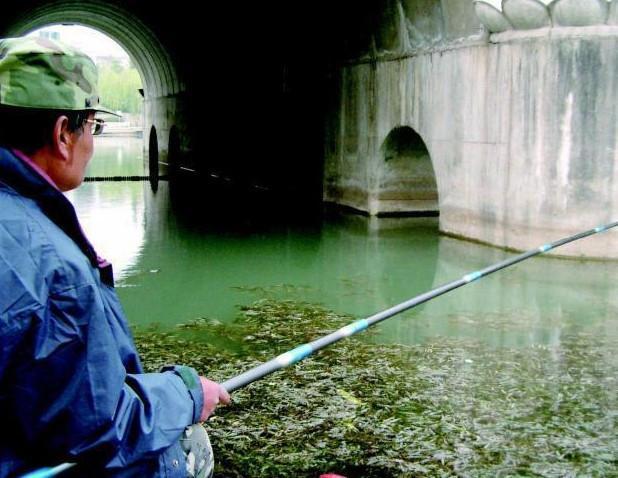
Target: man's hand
x,y
213,395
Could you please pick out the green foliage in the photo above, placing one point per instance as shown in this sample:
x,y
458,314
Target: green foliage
x,y
444,408
119,87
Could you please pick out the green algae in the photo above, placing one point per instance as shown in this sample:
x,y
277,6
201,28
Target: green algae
x,y
444,408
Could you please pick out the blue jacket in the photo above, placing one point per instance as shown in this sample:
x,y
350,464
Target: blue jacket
x,y
72,388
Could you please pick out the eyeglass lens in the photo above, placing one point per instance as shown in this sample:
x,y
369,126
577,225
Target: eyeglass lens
x,y
97,126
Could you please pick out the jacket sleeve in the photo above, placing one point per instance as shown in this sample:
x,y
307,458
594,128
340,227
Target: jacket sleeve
x,y
73,396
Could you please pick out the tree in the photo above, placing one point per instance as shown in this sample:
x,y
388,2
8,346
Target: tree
x,y
119,87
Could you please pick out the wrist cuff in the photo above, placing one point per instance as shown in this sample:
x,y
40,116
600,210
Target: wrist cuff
x,y
192,381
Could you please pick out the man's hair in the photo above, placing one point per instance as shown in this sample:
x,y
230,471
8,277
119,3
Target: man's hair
x,y
31,129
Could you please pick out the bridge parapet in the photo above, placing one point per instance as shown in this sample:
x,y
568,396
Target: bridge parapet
x,y
521,129
502,15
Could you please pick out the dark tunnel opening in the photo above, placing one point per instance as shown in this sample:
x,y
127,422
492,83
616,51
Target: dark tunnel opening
x,y
258,80
261,102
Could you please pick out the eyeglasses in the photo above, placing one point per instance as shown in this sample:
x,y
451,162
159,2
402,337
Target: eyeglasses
x,y
96,125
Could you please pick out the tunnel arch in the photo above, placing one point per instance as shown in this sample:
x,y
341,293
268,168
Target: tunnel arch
x,y
154,64
408,182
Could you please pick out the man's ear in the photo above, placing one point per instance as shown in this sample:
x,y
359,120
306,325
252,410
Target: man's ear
x,y
62,138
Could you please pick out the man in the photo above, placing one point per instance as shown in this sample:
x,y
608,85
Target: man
x,y
72,388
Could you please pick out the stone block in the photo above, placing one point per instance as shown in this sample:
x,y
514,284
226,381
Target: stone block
x,y
578,13
526,14
491,17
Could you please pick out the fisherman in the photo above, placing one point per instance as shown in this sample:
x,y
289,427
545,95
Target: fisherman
x,y
72,388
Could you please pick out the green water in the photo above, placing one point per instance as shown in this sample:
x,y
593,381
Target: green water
x,y
168,272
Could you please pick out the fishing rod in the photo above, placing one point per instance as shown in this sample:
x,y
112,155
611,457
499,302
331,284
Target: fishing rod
x,y
303,351
299,353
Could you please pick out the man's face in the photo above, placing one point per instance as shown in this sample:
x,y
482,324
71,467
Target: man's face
x,y
80,148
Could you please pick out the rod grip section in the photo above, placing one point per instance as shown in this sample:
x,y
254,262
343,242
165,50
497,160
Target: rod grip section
x,y
251,375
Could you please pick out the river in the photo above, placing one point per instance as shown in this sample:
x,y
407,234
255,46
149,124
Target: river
x,y
511,375
168,272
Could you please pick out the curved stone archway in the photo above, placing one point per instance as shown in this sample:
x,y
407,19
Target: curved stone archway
x,y
407,179
162,86
154,64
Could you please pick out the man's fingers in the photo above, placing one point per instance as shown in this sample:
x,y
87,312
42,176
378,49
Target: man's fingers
x,y
224,397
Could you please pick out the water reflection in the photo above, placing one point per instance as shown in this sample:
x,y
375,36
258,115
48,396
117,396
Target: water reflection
x,y
116,156
340,262
112,214
535,302
170,271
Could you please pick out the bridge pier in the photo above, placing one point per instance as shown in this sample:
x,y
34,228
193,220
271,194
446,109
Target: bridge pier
x,y
168,116
522,132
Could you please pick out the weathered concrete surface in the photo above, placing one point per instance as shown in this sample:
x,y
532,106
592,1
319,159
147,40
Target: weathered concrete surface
x,y
579,12
526,14
612,16
491,16
522,132
499,16
407,25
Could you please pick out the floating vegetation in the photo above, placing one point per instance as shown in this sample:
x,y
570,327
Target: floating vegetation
x,y
444,408
273,289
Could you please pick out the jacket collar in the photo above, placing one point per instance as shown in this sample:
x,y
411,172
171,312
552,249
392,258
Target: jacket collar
x,y
19,175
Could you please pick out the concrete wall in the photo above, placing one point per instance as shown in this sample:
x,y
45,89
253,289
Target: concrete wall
x,y
164,113
408,25
522,130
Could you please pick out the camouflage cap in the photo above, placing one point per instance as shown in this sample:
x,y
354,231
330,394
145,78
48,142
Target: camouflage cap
x,y
47,74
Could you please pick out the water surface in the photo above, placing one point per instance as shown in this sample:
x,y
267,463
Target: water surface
x,y
169,272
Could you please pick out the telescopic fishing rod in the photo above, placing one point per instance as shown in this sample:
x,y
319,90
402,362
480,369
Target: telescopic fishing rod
x,y
299,353
303,351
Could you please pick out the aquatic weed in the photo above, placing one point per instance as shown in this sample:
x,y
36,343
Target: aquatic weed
x,y
445,408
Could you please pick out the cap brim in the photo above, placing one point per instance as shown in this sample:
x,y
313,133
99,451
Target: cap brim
x,y
102,109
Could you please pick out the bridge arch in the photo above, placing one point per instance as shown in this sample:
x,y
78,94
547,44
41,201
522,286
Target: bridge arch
x,y
162,86
159,75
407,178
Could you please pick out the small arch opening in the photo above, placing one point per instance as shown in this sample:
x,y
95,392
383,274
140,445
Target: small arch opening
x,y
153,159
408,182
404,143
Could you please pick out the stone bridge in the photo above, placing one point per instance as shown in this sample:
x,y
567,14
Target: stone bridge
x,y
501,116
